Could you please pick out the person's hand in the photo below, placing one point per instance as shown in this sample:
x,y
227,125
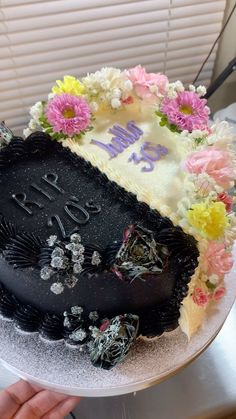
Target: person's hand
x,y
25,401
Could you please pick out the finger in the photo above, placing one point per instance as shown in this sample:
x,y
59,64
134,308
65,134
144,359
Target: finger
x,y
40,404
14,396
63,408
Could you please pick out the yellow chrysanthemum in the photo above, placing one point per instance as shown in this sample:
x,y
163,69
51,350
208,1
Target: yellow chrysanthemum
x,y
69,85
210,219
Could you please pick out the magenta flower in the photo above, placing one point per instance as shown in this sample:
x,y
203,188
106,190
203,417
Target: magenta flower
x,y
187,111
68,114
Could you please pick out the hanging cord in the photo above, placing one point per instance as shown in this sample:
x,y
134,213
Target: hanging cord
x,y
217,39
72,415
167,35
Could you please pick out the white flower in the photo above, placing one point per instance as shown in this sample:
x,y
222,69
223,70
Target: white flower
x,y
27,132
32,125
106,86
115,103
221,134
201,90
36,111
191,88
116,93
51,95
179,87
197,133
57,288
128,86
94,106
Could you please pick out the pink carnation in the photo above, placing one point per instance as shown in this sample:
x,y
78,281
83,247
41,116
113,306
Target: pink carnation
x,y
187,111
217,260
218,293
226,199
200,297
215,162
142,81
68,114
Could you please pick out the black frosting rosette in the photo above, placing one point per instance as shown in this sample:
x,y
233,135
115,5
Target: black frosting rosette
x,y
139,254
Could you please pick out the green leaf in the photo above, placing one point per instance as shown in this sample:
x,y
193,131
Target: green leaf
x,y
173,128
162,123
158,113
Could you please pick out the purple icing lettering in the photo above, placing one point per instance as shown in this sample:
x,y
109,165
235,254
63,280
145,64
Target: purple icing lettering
x,y
136,159
134,129
122,139
122,133
110,148
150,153
163,150
148,168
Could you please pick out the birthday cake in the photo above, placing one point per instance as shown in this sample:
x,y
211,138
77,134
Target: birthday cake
x,y
116,212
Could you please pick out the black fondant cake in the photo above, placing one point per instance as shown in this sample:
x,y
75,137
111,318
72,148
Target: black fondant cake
x,y
47,191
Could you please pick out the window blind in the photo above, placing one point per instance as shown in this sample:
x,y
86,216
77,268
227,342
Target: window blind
x,y
43,40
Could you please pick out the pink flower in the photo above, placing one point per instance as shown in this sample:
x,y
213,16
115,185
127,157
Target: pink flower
x,y
217,260
147,85
218,293
200,297
69,114
215,162
128,101
104,325
226,199
187,111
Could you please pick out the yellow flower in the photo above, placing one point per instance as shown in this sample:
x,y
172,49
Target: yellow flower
x,y
210,219
69,85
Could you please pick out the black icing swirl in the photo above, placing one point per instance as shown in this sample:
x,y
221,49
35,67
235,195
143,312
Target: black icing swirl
x,y
27,318
51,327
8,303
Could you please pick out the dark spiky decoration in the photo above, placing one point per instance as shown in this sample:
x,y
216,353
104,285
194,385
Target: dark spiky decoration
x,y
23,251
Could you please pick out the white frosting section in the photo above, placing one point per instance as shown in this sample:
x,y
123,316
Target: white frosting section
x,y
161,188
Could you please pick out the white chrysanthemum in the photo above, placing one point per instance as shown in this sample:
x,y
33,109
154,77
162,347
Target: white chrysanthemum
x,y
107,86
